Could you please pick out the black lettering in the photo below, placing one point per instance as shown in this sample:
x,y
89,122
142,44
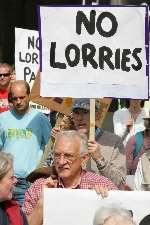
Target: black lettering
x,y
138,60
38,43
89,57
113,21
89,25
28,57
27,72
31,42
52,58
117,58
32,78
125,59
76,59
105,55
34,58
20,58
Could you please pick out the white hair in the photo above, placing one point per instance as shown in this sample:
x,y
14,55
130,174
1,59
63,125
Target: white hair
x,y
120,214
71,135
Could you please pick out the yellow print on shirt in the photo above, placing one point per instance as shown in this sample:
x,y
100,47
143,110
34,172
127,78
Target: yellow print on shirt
x,y
19,133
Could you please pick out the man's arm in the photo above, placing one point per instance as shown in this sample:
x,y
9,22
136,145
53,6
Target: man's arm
x,y
111,161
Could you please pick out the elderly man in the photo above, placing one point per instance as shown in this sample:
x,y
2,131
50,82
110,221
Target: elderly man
x,y
106,151
24,133
5,78
70,155
113,216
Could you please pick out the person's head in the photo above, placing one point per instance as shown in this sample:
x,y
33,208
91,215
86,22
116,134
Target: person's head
x,y
66,123
81,114
7,179
145,220
19,96
70,154
113,216
5,75
134,103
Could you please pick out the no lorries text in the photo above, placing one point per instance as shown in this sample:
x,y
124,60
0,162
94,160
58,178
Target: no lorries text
x,y
119,59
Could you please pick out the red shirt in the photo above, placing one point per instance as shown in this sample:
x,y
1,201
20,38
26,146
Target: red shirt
x,y
88,181
4,104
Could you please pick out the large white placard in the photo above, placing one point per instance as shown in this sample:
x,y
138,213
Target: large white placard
x,y
93,52
76,206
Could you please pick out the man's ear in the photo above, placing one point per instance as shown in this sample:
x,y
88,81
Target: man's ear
x,y
84,159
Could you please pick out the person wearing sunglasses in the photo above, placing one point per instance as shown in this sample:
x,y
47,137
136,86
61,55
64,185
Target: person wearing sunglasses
x,y
5,79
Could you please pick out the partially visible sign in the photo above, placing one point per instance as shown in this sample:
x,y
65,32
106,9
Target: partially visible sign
x,y
26,54
103,109
62,105
80,205
27,59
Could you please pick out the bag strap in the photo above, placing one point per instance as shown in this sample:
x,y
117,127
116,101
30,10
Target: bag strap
x,y
139,137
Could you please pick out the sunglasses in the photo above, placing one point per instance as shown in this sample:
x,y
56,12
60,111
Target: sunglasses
x,y
5,74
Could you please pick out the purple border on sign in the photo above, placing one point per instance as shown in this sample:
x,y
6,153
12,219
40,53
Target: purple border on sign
x,y
40,38
136,6
147,43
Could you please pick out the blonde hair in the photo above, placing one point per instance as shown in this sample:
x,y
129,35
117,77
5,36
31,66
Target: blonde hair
x,y
6,161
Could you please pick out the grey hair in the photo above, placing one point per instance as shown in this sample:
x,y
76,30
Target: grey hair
x,y
72,134
103,213
6,161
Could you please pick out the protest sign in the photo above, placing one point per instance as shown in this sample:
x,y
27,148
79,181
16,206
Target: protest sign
x,y
26,54
62,105
27,59
78,206
93,52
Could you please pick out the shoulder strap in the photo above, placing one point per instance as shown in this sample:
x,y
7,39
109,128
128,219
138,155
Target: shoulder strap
x,y
139,137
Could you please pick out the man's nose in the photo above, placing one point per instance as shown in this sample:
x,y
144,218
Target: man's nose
x,y
62,160
18,101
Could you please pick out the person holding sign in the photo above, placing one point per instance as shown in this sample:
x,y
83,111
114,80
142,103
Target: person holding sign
x,y
106,151
70,156
24,133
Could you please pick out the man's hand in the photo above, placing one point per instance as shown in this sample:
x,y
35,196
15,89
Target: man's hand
x,y
94,150
129,124
55,131
103,191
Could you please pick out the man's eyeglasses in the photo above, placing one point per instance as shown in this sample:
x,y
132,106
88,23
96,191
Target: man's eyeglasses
x,y
5,74
66,156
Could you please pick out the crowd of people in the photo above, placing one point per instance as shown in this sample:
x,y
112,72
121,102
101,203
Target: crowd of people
x,y
72,161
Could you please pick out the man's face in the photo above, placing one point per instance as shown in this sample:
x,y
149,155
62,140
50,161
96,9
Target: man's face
x,y
7,184
20,99
81,119
135,103
5,76
67,158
